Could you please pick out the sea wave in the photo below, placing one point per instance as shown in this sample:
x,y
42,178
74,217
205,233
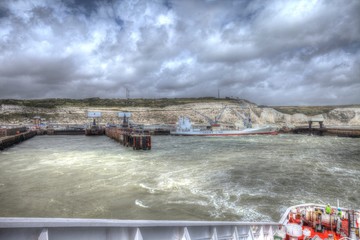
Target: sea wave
x,y
140,204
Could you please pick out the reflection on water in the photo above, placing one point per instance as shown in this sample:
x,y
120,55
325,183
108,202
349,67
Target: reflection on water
x,y
189,178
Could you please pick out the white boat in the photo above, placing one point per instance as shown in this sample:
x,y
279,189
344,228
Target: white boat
x,y
184,128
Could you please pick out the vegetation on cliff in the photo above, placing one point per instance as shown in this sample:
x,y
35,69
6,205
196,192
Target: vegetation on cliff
x,y
157,103
167,110
101,102
310,110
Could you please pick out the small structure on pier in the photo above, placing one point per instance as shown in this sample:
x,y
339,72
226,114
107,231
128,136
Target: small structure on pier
x,y
312,120
37,121
126,117
320,120
129,135
94,128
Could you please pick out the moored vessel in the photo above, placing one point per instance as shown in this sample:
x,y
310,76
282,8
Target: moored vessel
x,y
184,128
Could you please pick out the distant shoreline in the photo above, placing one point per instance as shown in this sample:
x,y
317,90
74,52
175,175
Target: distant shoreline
x,y
167,111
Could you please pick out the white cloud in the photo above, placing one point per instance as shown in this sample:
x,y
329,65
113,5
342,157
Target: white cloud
x,y
278,52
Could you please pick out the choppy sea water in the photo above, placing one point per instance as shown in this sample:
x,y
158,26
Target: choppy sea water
x,y
251,178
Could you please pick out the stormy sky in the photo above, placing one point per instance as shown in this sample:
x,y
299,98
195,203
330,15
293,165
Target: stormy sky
x,y
279,52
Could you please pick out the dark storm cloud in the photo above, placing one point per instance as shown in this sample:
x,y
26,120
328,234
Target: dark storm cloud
x,y
86,7
270,52
4,12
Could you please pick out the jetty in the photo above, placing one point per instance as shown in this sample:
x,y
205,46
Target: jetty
x,y
52,131
328,131
321,130
8,141
129,135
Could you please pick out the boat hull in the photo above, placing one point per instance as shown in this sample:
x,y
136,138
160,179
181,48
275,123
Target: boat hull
x,y
221,134
251,131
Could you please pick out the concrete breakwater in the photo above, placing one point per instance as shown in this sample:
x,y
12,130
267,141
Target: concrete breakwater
x,y
8,141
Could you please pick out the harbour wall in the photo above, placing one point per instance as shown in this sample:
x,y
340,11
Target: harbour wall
x,y
8,141
65,132
11,131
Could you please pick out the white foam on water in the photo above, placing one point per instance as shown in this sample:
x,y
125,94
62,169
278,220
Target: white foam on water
x,y
150,189
189,202
218,178
140,204
173,183
346,172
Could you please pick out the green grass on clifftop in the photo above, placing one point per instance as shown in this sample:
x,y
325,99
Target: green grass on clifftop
x,y
157,103
113,102
310,110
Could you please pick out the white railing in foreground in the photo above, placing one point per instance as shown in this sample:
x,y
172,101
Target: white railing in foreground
x,y
107,229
